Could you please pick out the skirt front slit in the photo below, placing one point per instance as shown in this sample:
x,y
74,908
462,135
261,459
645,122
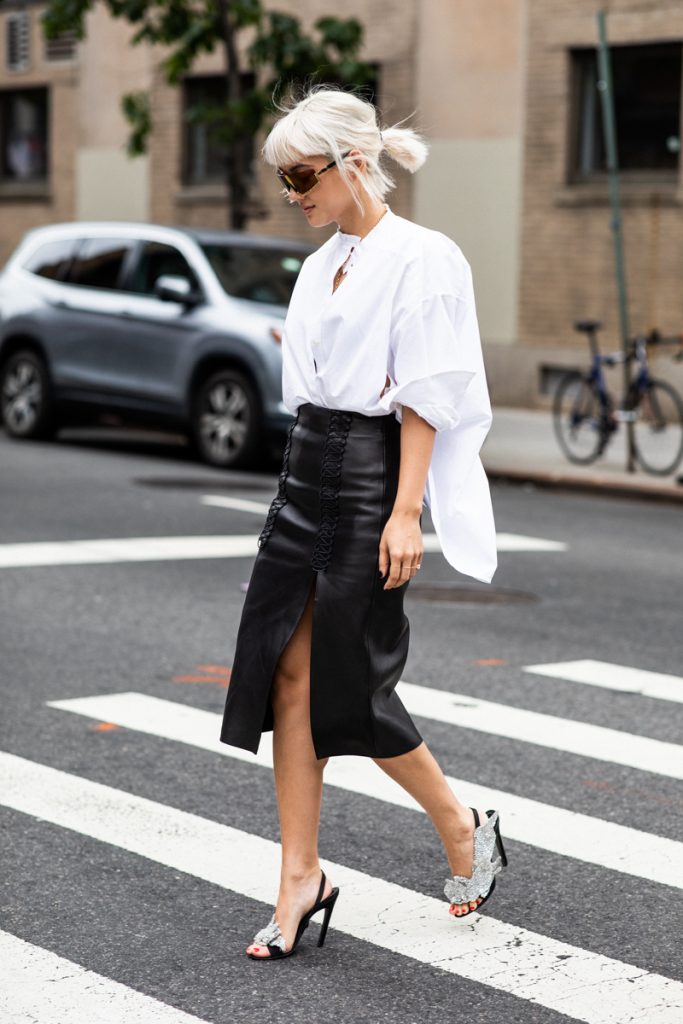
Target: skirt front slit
x,y
336,490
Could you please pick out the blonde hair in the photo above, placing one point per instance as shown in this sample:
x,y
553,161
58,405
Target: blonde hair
x,y
330,120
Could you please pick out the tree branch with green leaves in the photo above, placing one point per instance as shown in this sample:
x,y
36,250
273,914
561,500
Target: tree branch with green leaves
x,y
280,56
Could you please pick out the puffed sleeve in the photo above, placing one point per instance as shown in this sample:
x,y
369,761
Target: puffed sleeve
x,y
429,365
437,369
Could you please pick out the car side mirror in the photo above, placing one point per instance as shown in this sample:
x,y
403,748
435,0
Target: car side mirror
x,y
174,288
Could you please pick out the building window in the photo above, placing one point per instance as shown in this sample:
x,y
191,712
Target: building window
x,y
17,41
23,135
204,152
647,102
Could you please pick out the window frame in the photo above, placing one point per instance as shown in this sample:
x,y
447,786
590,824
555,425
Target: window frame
x,y
577,58
186,178
32,183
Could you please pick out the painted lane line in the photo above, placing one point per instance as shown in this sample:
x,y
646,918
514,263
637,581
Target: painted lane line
x,y
520,542
658,685
504,541
38,985
563,832
582,738
503,956
259,508
172,549
127,549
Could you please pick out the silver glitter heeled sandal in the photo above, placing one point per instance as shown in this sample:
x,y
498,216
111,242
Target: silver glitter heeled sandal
x,y
485,866
274,940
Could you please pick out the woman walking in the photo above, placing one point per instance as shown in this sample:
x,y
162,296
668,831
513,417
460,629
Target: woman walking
x,y
383,372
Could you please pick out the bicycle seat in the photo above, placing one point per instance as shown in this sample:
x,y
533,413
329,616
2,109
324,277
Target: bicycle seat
x,y
587,325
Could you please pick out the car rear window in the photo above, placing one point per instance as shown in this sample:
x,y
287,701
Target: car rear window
x,y
99,262
255,273
52,259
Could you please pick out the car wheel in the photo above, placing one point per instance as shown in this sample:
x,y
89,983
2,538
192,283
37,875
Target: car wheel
x,y
26,400
226,427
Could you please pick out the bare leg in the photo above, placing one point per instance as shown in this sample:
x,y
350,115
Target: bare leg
x,y
298,782
420,775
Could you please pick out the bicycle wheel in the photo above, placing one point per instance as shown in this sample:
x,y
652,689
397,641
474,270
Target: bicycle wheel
x,y
578,419
658,429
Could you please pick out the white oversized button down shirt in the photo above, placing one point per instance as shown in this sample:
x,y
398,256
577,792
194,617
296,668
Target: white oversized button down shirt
x,y
404,310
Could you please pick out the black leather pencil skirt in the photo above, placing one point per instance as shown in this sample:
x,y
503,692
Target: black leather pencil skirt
x,y
336,491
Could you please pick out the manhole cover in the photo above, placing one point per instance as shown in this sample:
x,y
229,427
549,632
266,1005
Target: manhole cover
x,y
459,593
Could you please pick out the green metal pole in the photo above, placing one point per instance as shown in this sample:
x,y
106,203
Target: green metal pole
x,y
609,127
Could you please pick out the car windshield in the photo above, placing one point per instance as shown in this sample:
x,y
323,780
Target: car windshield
x,y
255,273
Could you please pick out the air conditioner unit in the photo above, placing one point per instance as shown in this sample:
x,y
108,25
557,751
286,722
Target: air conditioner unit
x,y
61,48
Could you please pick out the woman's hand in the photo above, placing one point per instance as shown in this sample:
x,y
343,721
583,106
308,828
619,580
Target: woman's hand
x,y
400,548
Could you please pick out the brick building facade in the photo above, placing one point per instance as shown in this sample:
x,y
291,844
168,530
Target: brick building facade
x,y
566,250
506,98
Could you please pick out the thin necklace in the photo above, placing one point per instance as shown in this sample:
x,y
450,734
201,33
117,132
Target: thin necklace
x,y
341,273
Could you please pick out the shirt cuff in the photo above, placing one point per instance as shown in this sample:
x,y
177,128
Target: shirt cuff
x,y
435,398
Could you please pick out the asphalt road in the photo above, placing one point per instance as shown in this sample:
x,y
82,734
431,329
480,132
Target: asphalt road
x,y
102,865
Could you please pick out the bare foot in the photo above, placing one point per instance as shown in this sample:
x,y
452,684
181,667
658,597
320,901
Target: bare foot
x,y
296,896
461,857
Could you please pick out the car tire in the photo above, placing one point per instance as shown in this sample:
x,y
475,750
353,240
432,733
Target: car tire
x,y
226,426
26,397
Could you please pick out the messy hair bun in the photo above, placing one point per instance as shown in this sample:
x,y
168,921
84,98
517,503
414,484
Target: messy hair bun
x,y
331,120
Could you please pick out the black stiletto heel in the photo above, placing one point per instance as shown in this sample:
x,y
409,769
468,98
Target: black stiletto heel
x,y
330,901
274,940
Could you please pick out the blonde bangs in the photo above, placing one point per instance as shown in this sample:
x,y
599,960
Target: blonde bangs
x,y
290,139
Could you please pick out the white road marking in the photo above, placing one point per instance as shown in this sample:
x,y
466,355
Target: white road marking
x,y
560,831
127,549
39,986
658,685
520,542
503,956
582,738
504,541
259,508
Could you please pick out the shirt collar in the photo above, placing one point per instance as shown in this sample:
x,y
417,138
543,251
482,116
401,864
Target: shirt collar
x,y
374,234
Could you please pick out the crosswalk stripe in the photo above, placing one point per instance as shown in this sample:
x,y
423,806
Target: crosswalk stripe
x,y
504,541
624,678
39,986
506,957
172,549
560,831
582,738
126,549
259,508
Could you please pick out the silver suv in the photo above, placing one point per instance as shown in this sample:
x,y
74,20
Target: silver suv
x,y
172,326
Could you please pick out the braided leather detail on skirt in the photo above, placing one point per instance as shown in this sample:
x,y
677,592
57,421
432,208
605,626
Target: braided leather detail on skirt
x,y
330,479
280,498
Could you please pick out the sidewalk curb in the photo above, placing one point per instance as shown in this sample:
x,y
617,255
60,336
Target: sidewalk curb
x,y
603,485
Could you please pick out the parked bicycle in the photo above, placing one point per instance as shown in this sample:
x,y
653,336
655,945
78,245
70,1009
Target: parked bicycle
x,y
585,417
